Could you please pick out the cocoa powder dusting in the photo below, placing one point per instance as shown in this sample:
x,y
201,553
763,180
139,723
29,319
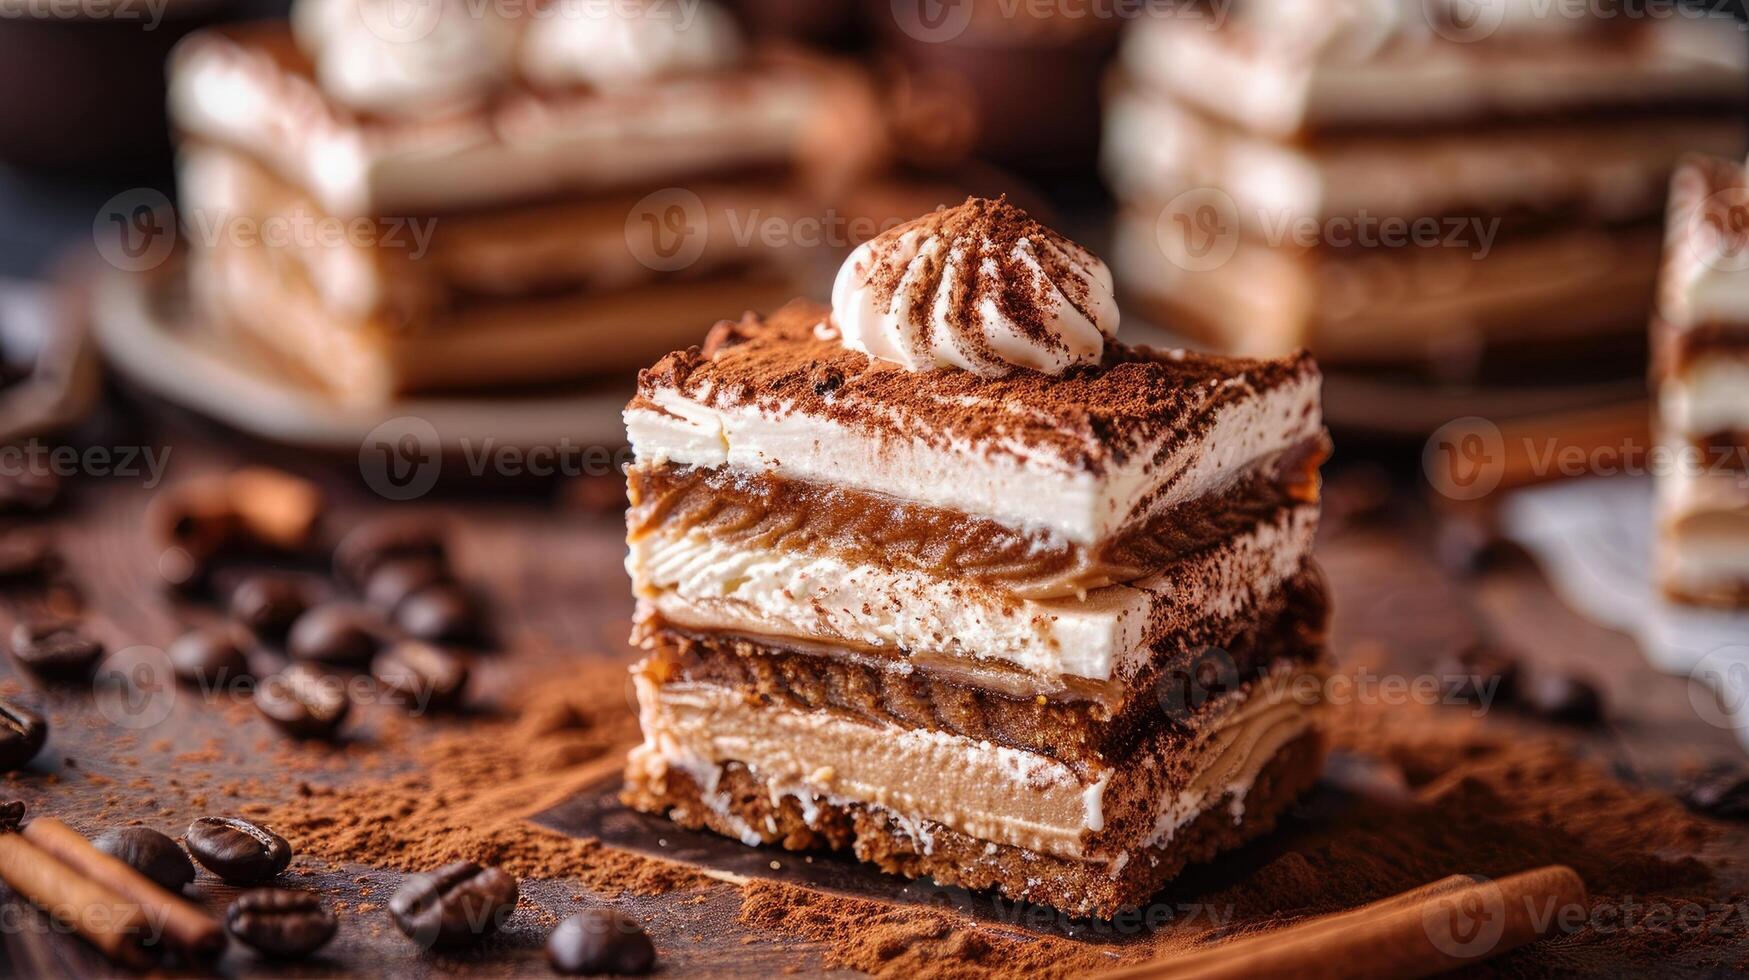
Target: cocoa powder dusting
x,y
473,790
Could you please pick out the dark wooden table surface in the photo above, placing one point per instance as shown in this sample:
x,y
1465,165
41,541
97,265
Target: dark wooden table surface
x,y
553,570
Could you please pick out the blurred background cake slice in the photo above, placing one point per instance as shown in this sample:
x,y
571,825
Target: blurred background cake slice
x,y
1701,376
1453,197
510,191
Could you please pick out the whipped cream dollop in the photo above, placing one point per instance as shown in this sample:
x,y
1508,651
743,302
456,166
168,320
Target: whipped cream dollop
x,y
392,57
981,287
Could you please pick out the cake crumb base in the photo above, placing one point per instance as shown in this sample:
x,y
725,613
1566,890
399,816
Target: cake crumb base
x,y
740,807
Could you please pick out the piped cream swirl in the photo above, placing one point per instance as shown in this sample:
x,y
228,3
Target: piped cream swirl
x,y
981,287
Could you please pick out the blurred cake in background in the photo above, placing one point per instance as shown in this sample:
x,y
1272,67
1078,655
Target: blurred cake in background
x,y
395,199
1462,197
1700,340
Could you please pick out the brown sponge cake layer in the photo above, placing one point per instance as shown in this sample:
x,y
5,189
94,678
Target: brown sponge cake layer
x,y
1188,670
742,807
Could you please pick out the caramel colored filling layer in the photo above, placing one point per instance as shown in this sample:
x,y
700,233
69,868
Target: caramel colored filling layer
x,y
759,509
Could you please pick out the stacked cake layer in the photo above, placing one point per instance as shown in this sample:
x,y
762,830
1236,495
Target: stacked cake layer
x,y
1055,634
1398,191
1701,372
496,205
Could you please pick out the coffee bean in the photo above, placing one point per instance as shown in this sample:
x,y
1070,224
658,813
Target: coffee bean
x,y
22,734
304,702
11,815
238,851
150,853
207,657
600,941
281,923
55,649
420,675
396,579
268,604
458,903
1564,698
1480,671
368,546
1721,792
441,614
335,634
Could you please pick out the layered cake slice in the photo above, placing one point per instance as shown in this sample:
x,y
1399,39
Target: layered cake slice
x,y
1701,372
947,576
393,202
1412,187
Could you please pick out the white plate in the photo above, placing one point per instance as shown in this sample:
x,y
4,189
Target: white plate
x,y
150,337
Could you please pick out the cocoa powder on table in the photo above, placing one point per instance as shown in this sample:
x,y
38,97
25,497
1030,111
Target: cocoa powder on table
x,y
472,790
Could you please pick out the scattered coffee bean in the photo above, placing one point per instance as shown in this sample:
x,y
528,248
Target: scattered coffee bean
x,y
150,853
335,634
1480,671
304,702
281,923
441,614
11,815
207,657
1564,698
55,649
25,556
458,903
370,545
600,941
396,579
22,734
238,851
1722,792
268,604
420,675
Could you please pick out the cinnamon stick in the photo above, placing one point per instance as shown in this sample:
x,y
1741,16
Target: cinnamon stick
x,y
108,921
1441,926
186,927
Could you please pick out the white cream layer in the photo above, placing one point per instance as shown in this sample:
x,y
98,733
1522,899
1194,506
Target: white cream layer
x,y
1013,483
1613,171
1704,520
1709,397
991,792
1275,86
696,583
528,147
